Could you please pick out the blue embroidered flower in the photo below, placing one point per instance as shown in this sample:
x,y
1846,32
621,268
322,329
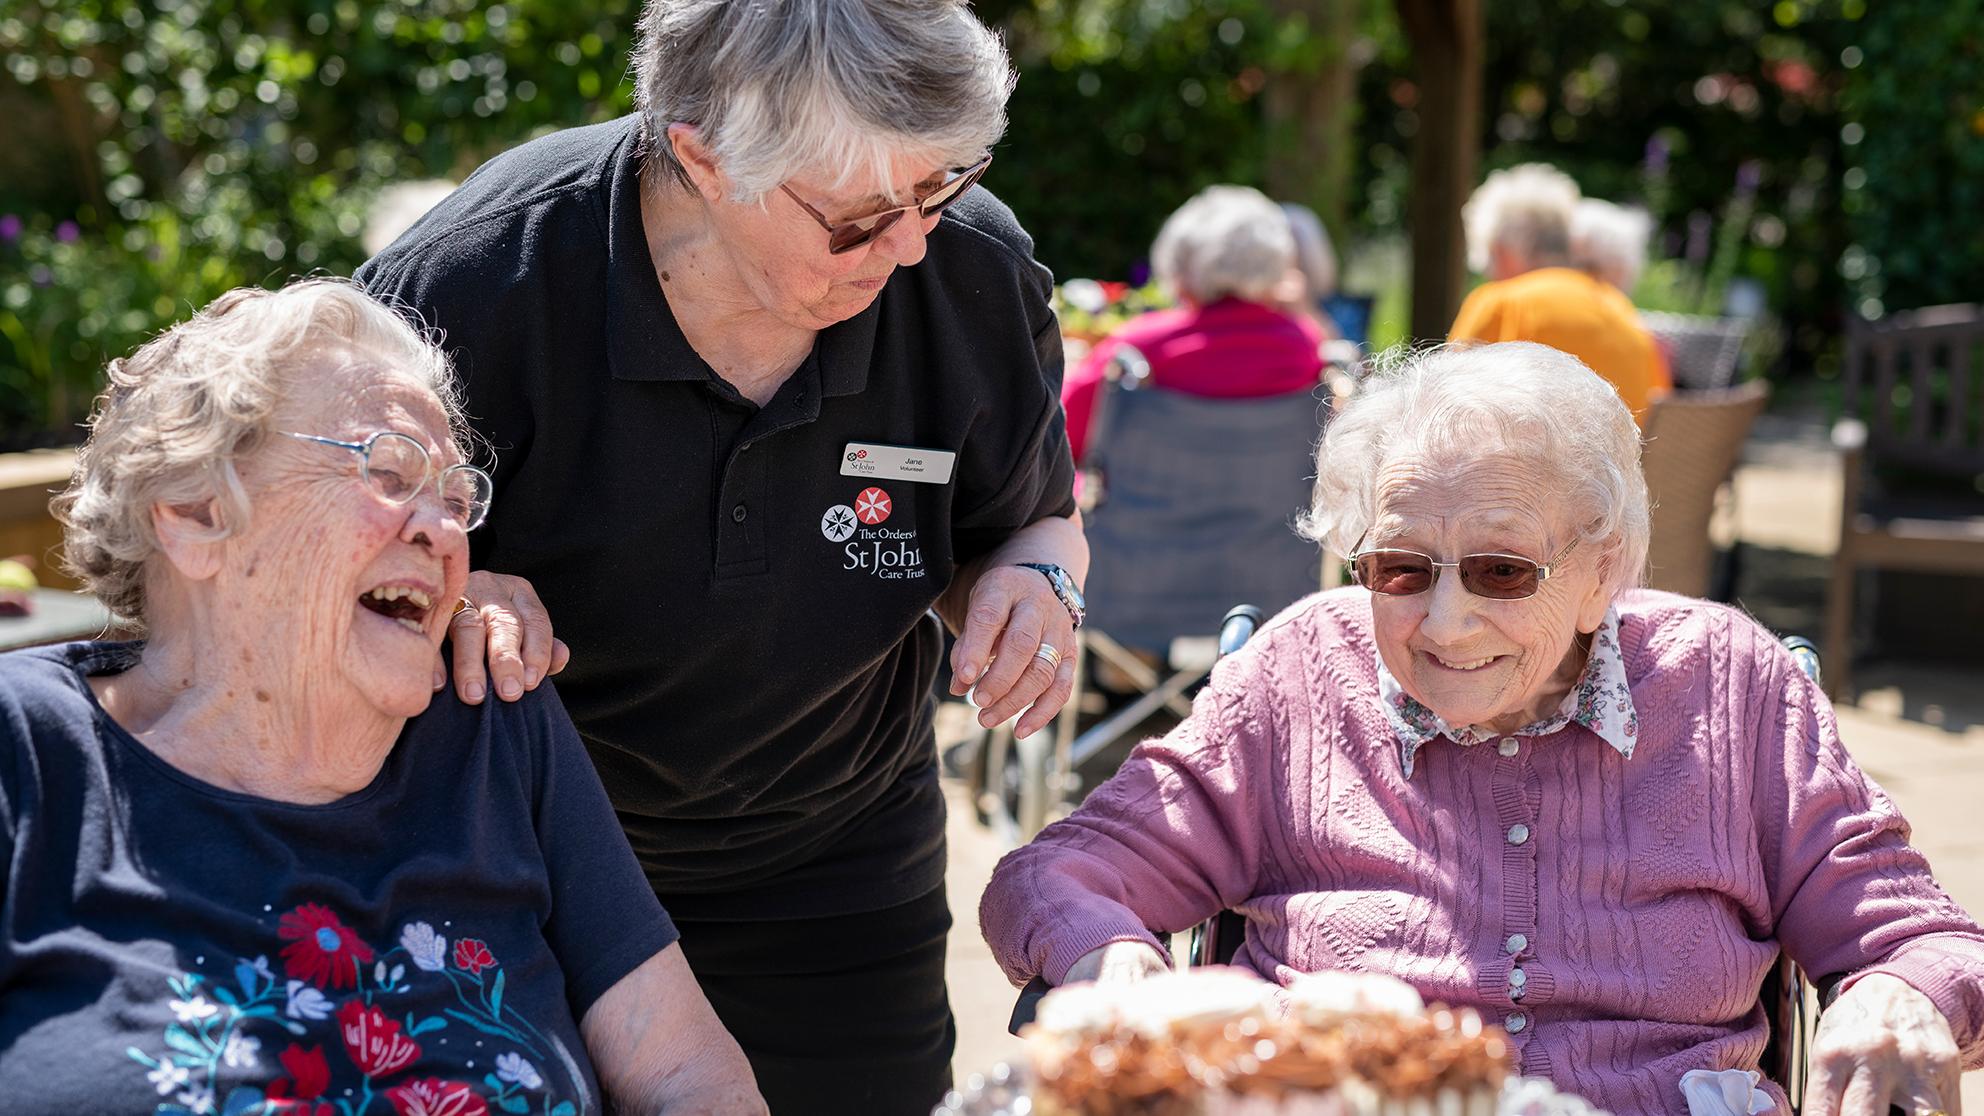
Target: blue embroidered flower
x,y
428,949
515,1069
305,1002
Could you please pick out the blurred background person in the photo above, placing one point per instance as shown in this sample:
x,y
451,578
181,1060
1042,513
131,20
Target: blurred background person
x,y
1519,234
1608,242
1345,317
1226,255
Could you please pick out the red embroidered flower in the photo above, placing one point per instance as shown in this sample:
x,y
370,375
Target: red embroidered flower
x,y
321,949
309,1076
431,1097
375,1043
472,955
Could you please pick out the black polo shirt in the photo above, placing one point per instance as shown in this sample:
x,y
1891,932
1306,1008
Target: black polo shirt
x,y
752,652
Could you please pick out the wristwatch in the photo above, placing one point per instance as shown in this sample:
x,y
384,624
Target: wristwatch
x,y
1064,588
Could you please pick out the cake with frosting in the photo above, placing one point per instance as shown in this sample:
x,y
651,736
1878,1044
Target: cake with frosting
x,y
1223,1042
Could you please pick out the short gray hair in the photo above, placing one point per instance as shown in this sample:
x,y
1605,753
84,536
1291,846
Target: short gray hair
x,y
1609,241
1512,399
180,410
1228,241
1313,251
1526,209
779,88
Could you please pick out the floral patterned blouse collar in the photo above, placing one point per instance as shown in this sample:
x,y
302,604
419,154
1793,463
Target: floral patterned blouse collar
x,y
1602,701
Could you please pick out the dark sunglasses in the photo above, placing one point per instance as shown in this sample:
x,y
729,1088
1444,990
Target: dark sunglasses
x,y
1500,577
846,236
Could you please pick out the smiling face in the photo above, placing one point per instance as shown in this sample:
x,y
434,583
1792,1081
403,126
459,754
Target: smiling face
x,y
1472,660
357,590
778,252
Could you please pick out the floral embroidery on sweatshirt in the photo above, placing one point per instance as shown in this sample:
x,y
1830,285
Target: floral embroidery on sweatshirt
x,y
1602,701
352,1025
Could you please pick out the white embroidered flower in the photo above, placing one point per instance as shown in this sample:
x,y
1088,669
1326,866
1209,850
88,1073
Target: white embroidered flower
x,y
428,949
512,1067
198,1101
306,1002
193,1010
242,1050
168,1077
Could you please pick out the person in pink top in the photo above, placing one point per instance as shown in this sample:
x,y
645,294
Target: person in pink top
x,y
1497,770
1228,255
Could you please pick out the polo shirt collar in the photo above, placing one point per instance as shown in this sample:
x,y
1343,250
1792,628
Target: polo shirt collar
x,y
1602,701
644,342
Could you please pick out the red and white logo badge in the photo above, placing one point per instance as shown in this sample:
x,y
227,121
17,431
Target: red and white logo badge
x,y
872,506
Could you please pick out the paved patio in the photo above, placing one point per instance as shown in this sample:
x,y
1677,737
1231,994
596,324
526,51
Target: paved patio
x,y
1918,728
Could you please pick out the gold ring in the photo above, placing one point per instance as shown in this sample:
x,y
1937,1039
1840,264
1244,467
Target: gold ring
x,y
1047,653
461,606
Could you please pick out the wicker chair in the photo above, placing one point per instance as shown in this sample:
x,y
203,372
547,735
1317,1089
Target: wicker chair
x,y
1693,441
1702,352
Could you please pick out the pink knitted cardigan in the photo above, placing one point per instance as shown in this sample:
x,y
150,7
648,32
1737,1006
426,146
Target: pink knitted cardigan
x,y
1640,899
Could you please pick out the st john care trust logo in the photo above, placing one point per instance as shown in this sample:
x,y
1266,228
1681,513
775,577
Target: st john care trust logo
x,y
867,545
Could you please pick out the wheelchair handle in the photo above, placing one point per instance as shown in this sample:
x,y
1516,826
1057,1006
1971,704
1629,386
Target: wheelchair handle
x,y
1238,627
1805,654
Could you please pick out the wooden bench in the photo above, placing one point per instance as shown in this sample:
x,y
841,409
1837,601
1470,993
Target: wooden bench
x,y
1911,450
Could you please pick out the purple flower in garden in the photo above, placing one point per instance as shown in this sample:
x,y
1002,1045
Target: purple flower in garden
x,y
1748,175
1139,273
67,232
10,227
1656,155
40,275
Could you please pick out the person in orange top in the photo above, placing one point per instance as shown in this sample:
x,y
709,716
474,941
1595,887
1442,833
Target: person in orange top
x,y
1519,234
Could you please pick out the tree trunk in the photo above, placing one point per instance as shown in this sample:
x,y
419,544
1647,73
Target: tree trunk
x,y
1311,110
1446,37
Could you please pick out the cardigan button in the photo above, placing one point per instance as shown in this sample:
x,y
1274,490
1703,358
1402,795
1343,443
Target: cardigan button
x,y
1518,942
1509,746
1518,834
1515,1022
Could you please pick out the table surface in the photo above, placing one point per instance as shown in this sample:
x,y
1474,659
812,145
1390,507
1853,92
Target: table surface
x,y
58,616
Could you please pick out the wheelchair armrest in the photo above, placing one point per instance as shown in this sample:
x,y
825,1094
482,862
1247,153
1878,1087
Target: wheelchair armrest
x,y
1028,1003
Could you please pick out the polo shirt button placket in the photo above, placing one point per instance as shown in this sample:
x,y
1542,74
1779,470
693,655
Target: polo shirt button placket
x,y
738,513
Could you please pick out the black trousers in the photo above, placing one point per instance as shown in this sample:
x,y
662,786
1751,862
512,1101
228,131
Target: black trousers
x,y
846,1014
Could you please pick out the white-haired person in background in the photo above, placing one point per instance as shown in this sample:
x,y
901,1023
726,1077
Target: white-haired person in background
x,y
772,378
1519,235
1226,255
264,859
1609,242
1495,769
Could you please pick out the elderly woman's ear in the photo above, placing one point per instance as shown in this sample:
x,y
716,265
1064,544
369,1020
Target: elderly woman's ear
x,y
190,536
697,161
1598,595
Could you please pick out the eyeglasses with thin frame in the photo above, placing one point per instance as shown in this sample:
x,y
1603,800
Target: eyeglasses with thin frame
x,y
398,468
846,236
1499,577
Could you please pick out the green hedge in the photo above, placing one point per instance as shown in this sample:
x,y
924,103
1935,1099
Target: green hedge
x,y
165,150
1915,186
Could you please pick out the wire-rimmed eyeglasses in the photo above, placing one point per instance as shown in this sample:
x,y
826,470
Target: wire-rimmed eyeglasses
x,y
397,467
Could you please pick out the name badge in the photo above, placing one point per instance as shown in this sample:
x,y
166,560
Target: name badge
x,y
903,463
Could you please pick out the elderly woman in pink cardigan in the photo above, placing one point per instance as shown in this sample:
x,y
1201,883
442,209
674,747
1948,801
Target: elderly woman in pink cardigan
x,y
1497,770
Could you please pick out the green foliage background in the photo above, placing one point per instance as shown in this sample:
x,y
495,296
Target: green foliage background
x,y
159,152
1914,184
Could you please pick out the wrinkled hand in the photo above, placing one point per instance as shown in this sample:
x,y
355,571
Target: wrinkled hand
x,y
510,629
1883,1043
1117,963
1012,613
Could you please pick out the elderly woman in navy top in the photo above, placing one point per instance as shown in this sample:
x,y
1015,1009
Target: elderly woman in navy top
x,y
771,379
254,862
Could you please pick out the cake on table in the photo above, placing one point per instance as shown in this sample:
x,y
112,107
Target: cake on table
x,y
1223,1042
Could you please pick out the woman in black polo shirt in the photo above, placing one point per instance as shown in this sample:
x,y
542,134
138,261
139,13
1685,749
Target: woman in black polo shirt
x,y
757,410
